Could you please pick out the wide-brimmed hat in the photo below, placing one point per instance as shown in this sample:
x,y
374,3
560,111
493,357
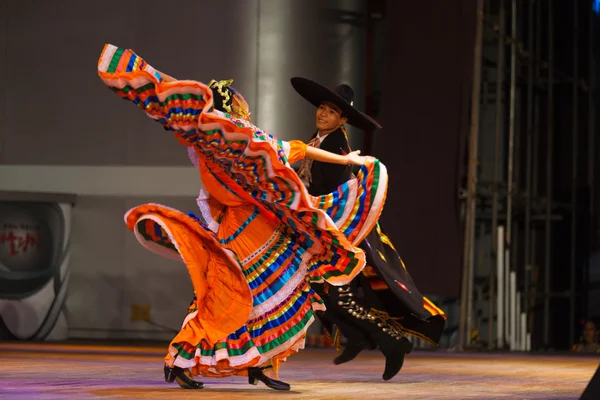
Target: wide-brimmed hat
x,y
342,96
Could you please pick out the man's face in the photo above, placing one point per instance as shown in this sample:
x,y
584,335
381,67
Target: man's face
x,y
329,118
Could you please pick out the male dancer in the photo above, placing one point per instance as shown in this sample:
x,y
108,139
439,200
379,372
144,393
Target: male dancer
x,y
382,304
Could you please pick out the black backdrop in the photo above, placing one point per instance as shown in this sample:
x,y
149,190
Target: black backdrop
x,y
426,91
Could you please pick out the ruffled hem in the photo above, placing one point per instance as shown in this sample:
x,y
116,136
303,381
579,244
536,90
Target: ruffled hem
x,y
224,368
240,351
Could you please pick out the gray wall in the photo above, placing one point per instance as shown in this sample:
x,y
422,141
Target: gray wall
x,y
55,113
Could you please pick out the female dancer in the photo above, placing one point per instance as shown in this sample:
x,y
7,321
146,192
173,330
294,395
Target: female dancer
x,y
260,239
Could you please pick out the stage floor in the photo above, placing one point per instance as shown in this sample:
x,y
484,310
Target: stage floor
x,y
33,371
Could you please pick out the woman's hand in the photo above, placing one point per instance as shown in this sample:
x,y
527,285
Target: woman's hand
x,y
354,158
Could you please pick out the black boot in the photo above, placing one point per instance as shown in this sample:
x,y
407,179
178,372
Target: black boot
x,y
393,365
394,351
256,374
176,373
350,352
338,312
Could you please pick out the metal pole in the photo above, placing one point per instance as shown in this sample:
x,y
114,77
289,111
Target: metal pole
x,y
491,276
574,134
591,138
528,166
548,233
511,119
501,338
492,289
536,109
467,289
510,177
499,132
536,151
518,161
513,307
491,305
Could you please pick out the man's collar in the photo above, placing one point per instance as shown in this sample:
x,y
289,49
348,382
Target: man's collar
x,y
324,136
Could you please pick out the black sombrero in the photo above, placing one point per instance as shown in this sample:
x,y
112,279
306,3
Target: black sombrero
x,y
342,96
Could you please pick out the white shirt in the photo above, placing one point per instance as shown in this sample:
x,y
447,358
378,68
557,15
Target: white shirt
x,y
321,138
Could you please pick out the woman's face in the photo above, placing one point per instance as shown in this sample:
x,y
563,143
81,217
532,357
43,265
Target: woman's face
x,y
240,108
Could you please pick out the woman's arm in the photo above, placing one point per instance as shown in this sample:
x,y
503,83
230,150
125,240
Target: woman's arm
x,y
352,158
166,77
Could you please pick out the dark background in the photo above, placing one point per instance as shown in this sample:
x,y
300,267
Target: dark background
x,y
426,92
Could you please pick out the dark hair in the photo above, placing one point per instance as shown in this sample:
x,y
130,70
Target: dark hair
x,y
222,94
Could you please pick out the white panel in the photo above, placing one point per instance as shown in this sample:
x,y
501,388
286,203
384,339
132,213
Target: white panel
x,y
101,181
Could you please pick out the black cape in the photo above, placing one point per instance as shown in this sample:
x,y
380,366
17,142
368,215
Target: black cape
x,y
386,284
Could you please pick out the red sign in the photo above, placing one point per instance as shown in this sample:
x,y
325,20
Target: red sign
x,y
20,239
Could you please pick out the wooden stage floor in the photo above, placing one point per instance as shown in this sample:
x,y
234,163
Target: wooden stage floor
x,y
51,371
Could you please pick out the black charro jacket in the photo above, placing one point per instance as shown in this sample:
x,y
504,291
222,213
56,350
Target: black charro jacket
x,y
326,177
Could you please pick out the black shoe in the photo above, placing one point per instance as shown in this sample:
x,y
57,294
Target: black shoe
x,y
256,374
176,373
350,352
395,359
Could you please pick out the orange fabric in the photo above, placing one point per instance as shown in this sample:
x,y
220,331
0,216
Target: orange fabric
x,y
216,209
297,151
217,191
221,289
254,235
